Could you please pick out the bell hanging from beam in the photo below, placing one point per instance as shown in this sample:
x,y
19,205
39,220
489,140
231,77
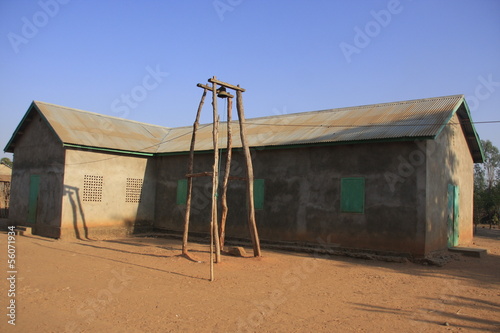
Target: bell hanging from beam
x,y
221,92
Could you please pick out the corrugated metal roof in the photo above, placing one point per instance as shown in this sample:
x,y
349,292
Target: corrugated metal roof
x,y
83,128
96,130
422,118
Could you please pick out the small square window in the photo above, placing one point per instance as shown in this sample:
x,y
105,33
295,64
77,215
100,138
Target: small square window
x,y
133,190
92,188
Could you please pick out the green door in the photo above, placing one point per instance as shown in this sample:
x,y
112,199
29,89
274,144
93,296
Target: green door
x,y
453,215
33,198
456,215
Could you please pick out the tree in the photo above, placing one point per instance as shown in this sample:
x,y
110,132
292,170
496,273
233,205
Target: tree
x,y
491,164
487,186
6,161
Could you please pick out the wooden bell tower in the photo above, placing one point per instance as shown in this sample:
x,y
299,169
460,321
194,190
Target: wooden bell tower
x,y
217,232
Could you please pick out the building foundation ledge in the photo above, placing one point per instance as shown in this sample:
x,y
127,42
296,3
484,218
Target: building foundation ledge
x,y
469,251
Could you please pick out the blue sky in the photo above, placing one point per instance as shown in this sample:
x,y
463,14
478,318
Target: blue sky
x,y
141,60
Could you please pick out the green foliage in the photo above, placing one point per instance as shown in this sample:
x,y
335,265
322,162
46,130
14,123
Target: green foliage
x,y
6,161
487,186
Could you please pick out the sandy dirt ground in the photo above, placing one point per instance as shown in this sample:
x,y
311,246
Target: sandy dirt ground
x,y
144,285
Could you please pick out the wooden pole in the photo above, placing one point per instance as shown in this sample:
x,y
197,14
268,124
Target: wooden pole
x,y
215,178
190,179
212,277
248,158
214,170
225,181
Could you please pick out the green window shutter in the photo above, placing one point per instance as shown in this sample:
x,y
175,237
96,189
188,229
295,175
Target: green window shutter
x,y
352,195
258,193
182,191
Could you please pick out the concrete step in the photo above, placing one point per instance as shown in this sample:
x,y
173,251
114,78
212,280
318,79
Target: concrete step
x,y
23,231
469,251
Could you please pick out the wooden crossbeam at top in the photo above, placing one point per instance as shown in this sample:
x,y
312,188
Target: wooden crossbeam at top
x,y
224,84
222,93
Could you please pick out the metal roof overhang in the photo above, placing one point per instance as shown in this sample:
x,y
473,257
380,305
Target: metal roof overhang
x,y
28,116
473,140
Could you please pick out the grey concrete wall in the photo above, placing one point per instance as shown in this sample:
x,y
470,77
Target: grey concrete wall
x,y
302,196
115,213
38,152
168,214
449,162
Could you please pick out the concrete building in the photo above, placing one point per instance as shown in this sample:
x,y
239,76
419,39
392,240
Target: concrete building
x,y
390,178
5,180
